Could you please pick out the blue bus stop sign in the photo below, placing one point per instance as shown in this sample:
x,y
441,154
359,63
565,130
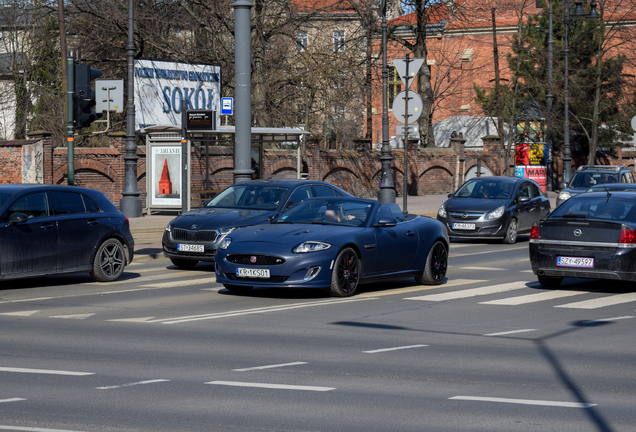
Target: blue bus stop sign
x,y
227,106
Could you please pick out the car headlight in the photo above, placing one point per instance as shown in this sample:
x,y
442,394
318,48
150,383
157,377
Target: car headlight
x,y
169,227
495,214
564,195
224,231
225,243
442,211
311,246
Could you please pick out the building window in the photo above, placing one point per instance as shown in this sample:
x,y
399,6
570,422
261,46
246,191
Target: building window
x,y
301,41
339,41
467,55
394,85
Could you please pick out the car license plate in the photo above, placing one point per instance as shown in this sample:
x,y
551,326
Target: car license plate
x,y
575,262
252,273
463,226
190,248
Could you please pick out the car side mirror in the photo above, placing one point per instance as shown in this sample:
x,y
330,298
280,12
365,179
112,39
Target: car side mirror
x,y
386,222
450,195
524,199
17,218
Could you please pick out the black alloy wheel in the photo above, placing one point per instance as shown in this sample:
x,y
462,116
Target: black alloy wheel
x,y
109,261
436,265
345,275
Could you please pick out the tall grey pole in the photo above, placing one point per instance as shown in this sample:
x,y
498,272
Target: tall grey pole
x,y
243,91
407,121
549,101
70,128
130,204
567,155
387,189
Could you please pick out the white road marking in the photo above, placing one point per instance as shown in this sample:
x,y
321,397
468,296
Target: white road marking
x,y
525,401
454,295
44,371
132,319
607,319
132,384
12,400
483,268
510,332
33,429
601,302
258,311
537,297
393,349
525,271
78,316
270,386
448,284
182,283
21,313
452,255
269,366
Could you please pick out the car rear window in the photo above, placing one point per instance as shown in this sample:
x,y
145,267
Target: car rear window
x,y
601,207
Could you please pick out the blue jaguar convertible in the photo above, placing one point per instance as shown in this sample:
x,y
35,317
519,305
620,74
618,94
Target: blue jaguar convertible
x,y
334,244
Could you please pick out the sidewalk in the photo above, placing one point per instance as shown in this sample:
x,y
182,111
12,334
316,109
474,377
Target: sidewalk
x,y
148,229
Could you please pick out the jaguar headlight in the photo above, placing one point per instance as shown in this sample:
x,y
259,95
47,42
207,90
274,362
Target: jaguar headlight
x,y
442,211
223,232
495,214
311,246
564,195
225,243
169,227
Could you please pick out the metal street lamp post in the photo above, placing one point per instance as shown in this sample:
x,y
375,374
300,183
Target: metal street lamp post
x,y
387,188
578,14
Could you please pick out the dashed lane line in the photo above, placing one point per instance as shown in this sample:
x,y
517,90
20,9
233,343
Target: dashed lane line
x,y
11,400
524,401
44,371
270,386
382,350
275,366
133,384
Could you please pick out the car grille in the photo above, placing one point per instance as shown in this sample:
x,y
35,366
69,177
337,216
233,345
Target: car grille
x,y
267,260
179,234
469,216
272,279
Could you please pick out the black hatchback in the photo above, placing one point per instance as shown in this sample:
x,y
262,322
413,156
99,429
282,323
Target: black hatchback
x,y
493,207
591,235
195,235
51,229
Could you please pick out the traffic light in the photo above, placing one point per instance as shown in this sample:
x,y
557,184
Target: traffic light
x,y
84,97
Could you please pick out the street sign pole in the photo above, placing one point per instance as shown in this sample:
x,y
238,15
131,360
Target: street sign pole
x,y
406,140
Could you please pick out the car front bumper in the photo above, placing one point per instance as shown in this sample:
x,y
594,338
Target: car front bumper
x,y
170,249
483,229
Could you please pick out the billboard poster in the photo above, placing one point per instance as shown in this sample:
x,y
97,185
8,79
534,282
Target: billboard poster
x,y
33,163
163,89
166,175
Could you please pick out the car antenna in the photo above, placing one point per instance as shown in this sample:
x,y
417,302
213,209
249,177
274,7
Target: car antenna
x,y
608,194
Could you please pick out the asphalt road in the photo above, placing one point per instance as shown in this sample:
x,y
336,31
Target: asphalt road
x,y
170,350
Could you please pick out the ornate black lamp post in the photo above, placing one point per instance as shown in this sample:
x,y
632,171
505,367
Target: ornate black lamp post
x,y
387,188
578,14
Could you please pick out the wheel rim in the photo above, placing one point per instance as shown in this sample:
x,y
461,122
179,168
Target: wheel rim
x,y
112,260
348,272
439,262
512,230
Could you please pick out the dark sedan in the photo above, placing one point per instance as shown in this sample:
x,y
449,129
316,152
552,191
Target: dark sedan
x,y
49,229
334,244
493,207
195,236
591,235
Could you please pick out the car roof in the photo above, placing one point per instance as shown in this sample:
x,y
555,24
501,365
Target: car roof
x,y
338,199
15,188
614,187
603,194
501,178
610,168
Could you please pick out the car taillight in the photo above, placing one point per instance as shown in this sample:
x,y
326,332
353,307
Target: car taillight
x,y
535,233
628,235
126,221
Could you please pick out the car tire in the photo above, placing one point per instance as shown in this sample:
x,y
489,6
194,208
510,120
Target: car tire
x,y
511,232
549,281
345,275
109,261
435,267
237,289
184,263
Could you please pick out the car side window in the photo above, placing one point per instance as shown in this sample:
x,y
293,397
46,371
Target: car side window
x,y
301,193
33,205
627,178
535,192
323,191
523,190
67,203
90,205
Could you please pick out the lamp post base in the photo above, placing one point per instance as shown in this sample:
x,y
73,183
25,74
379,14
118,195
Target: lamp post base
x,y
130,206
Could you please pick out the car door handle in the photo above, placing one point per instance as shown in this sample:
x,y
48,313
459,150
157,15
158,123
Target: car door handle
x,y
47,226
410,233
369,246
92,222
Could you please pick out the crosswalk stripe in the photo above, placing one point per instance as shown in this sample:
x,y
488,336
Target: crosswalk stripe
x,y
532,298
399,291
483,268
454,295
601,302
182,283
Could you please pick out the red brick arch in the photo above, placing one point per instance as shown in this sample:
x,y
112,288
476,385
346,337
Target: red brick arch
x,y
87,165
